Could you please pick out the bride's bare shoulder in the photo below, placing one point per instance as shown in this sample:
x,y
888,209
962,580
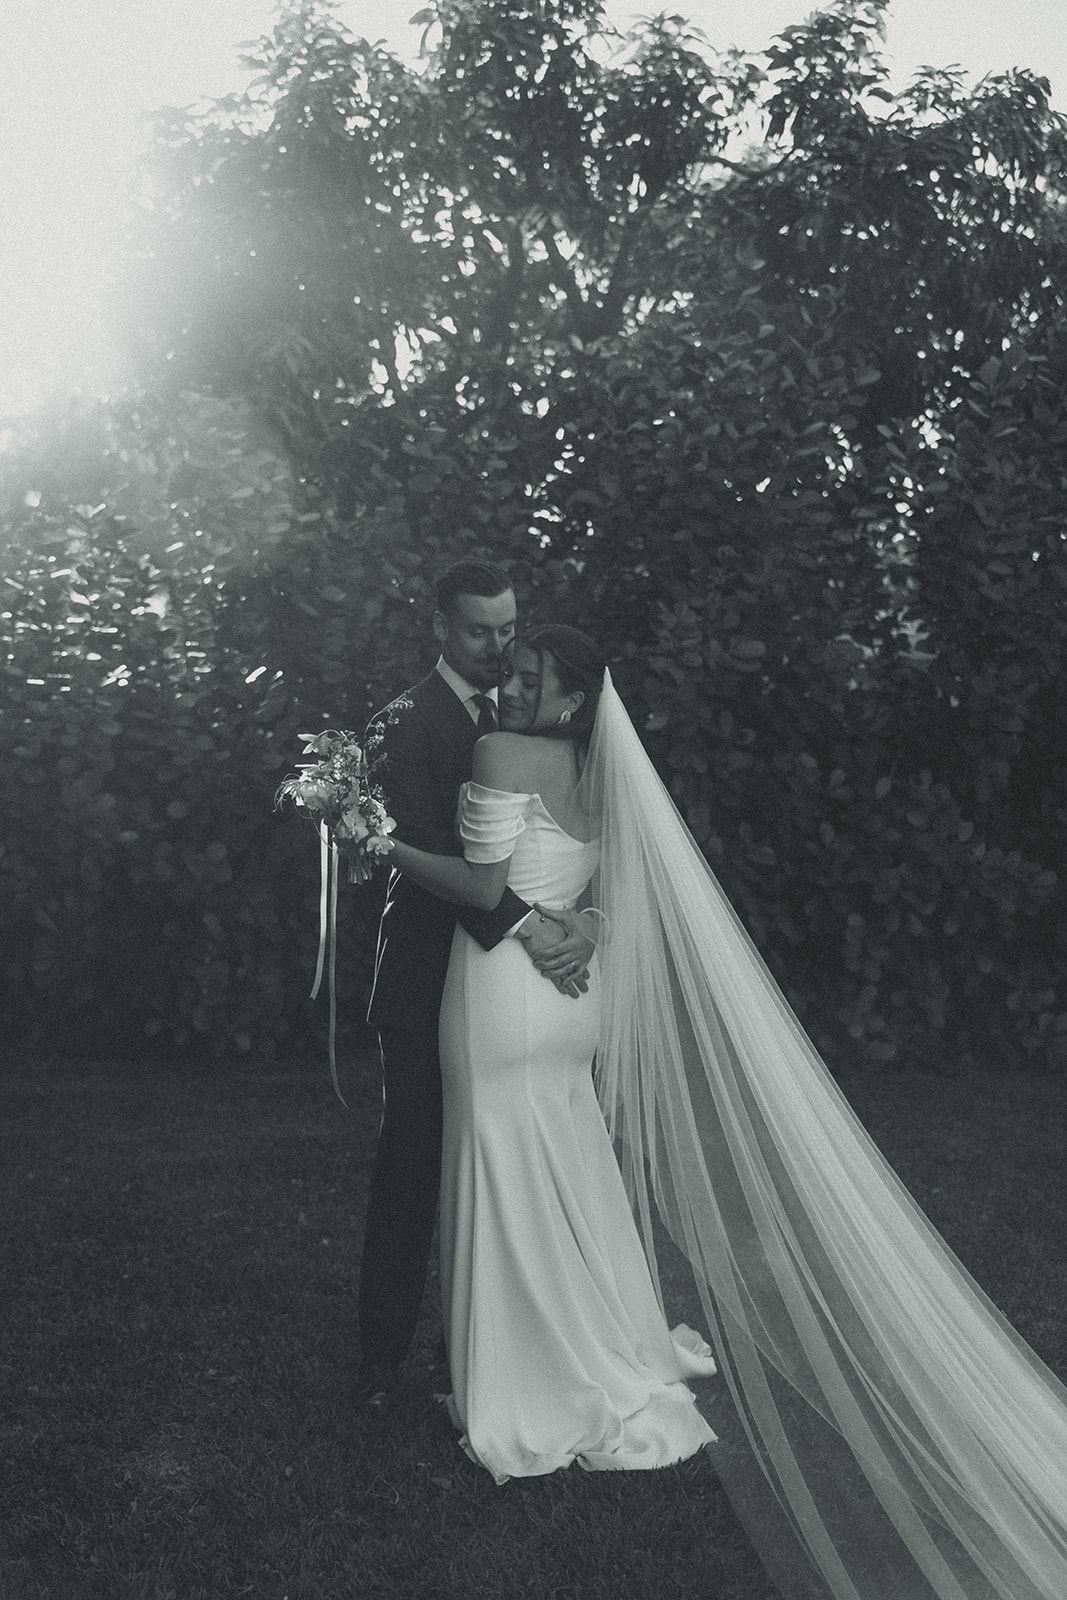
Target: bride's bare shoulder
x,y
503,760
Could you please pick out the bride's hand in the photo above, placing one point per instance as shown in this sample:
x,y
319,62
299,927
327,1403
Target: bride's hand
x,y
362,849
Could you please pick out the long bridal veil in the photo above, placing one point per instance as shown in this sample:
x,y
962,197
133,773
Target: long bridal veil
x,y
893,1438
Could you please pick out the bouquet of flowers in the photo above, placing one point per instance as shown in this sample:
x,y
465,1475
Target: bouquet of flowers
x,y
333,791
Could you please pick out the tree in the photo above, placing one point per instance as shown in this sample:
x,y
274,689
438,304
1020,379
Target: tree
x,y
752,361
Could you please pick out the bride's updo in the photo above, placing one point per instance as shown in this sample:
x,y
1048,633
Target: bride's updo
x,y
579,666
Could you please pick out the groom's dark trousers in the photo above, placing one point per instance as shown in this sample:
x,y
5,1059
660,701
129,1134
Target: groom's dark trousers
x,y
419,751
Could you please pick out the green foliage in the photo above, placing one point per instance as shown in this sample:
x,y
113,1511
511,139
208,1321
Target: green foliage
x,y
148,891
787,430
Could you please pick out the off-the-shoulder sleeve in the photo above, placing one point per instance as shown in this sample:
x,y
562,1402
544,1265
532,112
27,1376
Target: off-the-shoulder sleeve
x,y
490,820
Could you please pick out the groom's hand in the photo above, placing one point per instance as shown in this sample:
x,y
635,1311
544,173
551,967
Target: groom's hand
x,y
559,949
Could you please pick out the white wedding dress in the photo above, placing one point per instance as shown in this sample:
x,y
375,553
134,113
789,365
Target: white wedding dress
x,y
558,1349
884,1433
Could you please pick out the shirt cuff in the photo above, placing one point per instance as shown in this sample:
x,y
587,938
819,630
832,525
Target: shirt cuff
x,y
512,932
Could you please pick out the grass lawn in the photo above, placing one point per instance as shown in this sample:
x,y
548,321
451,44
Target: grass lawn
x,y
178,1278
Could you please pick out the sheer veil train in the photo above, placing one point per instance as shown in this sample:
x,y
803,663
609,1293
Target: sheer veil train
x,y
893,1438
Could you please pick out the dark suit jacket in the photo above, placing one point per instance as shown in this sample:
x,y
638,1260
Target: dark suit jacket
x,y
419,752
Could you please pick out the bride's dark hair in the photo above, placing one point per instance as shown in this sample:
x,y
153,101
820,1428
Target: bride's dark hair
x,y
579,667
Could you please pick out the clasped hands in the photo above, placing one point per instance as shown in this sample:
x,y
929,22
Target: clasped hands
x,y
559,948
555,940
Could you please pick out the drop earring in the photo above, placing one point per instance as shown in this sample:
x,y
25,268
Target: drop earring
x,y
564,718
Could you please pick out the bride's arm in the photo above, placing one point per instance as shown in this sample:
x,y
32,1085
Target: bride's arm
x,y
466,883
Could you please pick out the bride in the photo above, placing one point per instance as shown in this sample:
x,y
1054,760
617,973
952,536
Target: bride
x,y
890,1437
557,1346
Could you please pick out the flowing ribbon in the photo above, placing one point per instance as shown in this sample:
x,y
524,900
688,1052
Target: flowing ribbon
x,y
329,868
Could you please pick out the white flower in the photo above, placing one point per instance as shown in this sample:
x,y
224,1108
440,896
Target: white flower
x,y
314,794
351,826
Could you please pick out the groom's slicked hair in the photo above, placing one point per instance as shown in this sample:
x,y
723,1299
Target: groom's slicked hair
x,y
472,575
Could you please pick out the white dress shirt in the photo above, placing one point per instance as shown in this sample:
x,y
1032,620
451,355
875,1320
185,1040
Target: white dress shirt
x,y
465,691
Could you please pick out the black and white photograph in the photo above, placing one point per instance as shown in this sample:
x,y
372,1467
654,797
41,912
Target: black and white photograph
x,y
533,800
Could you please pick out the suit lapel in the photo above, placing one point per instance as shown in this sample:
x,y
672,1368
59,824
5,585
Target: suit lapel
x,y
446,713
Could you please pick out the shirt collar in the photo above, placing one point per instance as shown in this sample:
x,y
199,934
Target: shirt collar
x,y
460,686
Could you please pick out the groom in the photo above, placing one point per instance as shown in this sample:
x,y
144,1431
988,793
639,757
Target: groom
x,y
419,752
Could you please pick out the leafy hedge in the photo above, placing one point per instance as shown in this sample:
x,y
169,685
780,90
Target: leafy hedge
x,y
149,893
888,823
862,728
789,433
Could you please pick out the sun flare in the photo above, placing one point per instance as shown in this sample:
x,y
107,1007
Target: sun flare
x,y
76,78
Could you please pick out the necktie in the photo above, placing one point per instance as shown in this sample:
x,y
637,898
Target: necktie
x,y
486,713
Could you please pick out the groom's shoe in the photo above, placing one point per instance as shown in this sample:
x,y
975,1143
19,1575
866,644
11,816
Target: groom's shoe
x,y
376,1386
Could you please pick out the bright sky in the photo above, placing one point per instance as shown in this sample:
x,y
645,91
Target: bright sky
x,y
76,75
